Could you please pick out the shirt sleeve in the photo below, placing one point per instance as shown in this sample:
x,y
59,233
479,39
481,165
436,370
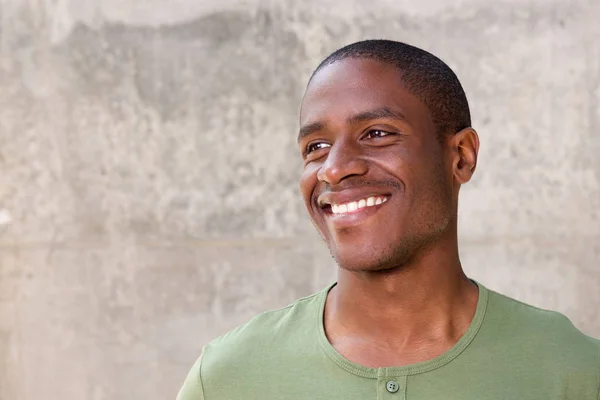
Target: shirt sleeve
x,y
598,341
192,386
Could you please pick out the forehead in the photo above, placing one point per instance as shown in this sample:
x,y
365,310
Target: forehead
x,y
352,86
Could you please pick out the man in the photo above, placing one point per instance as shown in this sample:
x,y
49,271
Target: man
x,y
386,140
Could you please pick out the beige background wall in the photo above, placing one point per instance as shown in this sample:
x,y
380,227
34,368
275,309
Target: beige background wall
x,y
148,197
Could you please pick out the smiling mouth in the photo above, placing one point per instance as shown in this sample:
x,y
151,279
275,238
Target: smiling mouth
x,y
355,206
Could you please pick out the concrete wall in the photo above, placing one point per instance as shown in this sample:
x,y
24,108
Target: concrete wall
x,y
148,168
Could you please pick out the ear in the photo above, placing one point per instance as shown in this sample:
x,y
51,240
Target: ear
x,y
465,147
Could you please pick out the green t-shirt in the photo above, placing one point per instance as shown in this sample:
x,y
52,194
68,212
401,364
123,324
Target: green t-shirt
x,y
510,351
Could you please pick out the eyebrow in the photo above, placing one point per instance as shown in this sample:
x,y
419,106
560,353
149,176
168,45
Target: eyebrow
x,y
376,113
309,129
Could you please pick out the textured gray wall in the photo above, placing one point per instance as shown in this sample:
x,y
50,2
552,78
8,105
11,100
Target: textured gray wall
x,y
148,196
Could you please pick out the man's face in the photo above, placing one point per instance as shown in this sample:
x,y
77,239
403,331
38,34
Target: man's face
x,y
377,182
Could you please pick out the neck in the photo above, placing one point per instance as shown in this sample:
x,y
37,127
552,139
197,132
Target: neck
x,y
429,300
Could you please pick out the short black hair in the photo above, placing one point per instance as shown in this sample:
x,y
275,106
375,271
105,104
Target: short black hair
x,y
424,75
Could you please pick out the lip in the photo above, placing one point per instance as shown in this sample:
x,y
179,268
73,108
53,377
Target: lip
x,y
352,218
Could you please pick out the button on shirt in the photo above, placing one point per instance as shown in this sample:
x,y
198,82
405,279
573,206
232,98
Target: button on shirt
x,y
392,386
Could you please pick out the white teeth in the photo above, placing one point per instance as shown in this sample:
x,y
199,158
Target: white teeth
x,y
352,206
355,205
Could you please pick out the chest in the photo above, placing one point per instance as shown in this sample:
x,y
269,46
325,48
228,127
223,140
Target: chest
x,y
459,385
374,353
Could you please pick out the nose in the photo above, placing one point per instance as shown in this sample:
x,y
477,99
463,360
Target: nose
x,y
343,161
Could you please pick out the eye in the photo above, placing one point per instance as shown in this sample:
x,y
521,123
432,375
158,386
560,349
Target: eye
x,y
377,133
316,146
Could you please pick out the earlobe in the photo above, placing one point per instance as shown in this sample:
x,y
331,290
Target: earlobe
x,y
466,145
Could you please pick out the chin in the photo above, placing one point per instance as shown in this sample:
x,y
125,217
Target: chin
x,y
377,257
375,260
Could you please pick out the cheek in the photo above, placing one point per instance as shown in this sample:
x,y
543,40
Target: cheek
x,y
435,191
308,182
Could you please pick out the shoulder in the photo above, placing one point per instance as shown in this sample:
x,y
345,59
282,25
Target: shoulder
x,y
545,332
265,337
266,325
